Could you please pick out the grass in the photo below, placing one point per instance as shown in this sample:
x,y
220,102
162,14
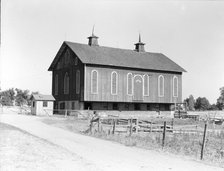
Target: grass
x,y
183,144
180,144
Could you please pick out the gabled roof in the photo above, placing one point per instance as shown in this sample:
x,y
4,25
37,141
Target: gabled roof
x,y
101,55
40,97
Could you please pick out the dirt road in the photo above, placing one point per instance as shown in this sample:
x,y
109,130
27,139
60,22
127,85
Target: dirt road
x,y
105,155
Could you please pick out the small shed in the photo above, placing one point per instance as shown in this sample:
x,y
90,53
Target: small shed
x,y
42,104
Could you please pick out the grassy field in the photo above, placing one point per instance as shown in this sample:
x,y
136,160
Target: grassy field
x,y
185,144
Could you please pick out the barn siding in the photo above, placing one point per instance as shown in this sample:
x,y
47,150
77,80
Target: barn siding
x,y
71,68
104,86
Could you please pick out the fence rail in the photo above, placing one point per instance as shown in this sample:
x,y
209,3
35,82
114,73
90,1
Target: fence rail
x,y
135,125
128,125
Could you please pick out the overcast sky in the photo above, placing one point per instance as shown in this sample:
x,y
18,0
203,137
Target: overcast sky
x,y
190,33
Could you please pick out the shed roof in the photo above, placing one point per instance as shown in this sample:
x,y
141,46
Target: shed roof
x,y
41,97
101,55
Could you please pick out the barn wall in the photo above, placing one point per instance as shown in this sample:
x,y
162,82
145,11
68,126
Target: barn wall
x,y
71,68
104,86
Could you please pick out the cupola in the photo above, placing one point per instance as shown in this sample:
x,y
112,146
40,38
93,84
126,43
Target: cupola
x,y
139,47
93,39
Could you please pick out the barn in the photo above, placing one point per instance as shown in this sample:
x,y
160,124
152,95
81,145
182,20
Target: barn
x,y
90,76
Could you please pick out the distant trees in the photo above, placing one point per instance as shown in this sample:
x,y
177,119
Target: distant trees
x,y
7,97
15,97
220,100
22,97
190,103
202,104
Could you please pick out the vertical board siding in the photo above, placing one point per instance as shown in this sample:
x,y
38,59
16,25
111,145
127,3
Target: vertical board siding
x,y
104,86
70,67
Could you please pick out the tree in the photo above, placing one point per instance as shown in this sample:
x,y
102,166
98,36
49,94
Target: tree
x,y
190,103
220,100
7,97
213,107
22,97
202,104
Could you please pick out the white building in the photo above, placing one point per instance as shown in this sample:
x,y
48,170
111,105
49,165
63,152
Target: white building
x,y
42,104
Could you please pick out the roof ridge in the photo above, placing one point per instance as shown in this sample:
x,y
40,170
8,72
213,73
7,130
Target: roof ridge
x,y
111,47
111,56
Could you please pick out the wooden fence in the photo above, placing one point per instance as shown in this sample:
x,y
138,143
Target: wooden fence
x,y
135,125
127,125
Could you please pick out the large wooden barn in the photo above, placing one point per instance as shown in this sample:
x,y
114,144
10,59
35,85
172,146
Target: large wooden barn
x,y
89,76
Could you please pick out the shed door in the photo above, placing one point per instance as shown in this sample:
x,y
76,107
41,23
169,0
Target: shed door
x,y
138,88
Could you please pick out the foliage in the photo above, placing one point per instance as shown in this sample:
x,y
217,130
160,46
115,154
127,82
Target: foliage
x,y
190,103
19,97
7,97
202,104
213,107
22,97
220,100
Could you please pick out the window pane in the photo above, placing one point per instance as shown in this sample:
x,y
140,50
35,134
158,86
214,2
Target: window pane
x,y
44,103
114,83
129,82
66,84
175,87
56,85
94,81
146,85
161,85
77,82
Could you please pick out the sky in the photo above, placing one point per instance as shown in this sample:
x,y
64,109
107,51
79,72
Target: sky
x,y
191,33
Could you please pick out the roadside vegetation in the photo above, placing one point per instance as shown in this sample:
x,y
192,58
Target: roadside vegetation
x,y
181,143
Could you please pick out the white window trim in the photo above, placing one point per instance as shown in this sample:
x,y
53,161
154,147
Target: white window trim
x,y
131,84
92,82
56,85
160,95
147,76
111,82
175,77
142,82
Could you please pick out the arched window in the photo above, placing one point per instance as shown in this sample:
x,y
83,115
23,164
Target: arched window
x,y
161,86
76,61
77,82
146,85
175,86
129,84
56,85
66,83
114,83
94,82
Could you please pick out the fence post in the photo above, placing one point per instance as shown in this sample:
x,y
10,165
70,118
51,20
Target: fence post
x,y
136,126
203,142
151,127
99,124
91,125
164,134
114,126
130,126
66,113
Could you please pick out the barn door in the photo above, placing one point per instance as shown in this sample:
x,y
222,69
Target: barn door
x,y
138,88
